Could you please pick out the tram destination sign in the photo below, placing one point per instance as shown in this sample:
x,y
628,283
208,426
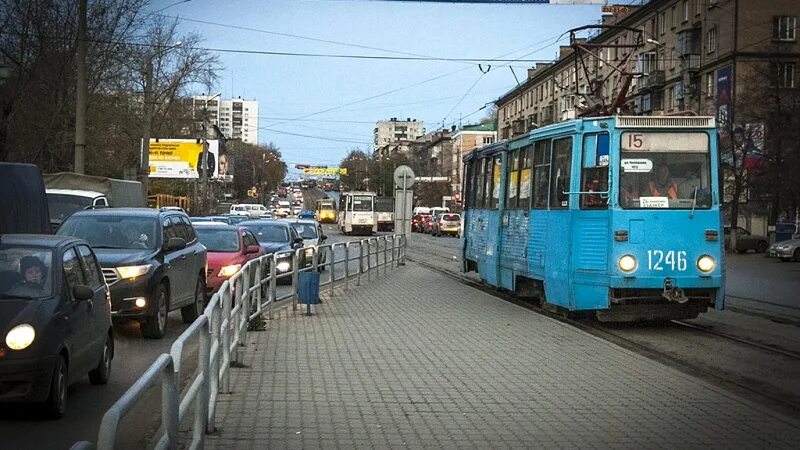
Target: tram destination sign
x,y
691,142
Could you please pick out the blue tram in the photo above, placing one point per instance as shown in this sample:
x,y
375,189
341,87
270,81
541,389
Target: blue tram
x,y
617,215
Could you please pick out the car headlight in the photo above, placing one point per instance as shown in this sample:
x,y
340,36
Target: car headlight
x,y
627,263
706,263
283,266
127,272
284,255
20,337
309,251
229,271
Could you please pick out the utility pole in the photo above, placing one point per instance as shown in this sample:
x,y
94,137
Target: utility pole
x,y
80,100
204,200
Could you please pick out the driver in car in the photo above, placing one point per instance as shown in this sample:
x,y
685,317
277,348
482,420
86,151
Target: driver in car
x,y
134,238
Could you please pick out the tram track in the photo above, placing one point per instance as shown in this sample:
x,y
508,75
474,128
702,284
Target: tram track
x,y
754,389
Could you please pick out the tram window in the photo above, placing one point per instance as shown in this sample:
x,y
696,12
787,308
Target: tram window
x,y
495,198
541,173
560,176
524,196
511,179
594,171
665,170
485,180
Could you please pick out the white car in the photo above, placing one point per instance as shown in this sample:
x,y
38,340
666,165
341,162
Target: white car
x,y
312,234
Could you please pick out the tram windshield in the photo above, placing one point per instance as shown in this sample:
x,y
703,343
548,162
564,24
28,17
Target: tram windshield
x,y
362,203
665,170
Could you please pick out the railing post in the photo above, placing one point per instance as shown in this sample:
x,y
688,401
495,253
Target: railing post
x,y
213,385
402,251
295,278
170,404
201,424
273,283
239,295
333,268
347,266
360,262
226,340
385,254
369,262
258,263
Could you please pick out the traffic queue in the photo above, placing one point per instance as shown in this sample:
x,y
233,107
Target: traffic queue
x,y
62,293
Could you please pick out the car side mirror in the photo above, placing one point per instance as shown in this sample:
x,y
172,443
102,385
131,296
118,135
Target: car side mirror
x,y
322,238
175,243
82,292
252,249
297,241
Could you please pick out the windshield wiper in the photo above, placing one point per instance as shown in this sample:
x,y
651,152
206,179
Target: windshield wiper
x,y
21,297
694,202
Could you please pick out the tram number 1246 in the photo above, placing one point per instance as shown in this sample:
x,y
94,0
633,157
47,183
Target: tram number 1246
x,y
660,259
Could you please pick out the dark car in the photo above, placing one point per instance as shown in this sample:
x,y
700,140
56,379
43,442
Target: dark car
x,y
279,237
55,319
746,240
152,261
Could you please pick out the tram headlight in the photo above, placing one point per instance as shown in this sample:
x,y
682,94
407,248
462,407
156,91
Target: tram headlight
x,y
706,263
627,263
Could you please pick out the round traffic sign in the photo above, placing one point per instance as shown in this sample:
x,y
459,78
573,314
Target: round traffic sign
x,y
403,177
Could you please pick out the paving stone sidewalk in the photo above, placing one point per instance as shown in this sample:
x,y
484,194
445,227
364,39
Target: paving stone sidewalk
x,y
417,360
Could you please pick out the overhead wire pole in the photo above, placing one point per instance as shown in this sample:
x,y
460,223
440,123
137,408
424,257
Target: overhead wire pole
x,y
80,97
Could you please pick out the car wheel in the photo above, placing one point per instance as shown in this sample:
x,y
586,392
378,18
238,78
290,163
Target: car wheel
x,y
56,404
191,312
796,255
101,373
155,327
761,247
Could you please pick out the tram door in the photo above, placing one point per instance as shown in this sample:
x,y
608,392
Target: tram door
x,y
488,264
558,264
591,237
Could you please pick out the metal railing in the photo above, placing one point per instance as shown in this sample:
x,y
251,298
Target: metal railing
x,y
222,329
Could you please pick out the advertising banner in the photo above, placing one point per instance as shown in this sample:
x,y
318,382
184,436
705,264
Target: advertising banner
x,y
324,171
181,158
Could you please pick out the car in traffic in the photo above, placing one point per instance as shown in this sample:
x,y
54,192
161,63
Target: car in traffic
x,y
418,222
312,234
55,319
448,224
306,214
229,248
151,259
786,250
746,240
427,226
278,237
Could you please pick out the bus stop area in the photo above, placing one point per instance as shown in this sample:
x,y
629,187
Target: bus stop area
x,y
416,359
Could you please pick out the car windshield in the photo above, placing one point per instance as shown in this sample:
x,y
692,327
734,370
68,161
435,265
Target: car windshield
x,y
62,206
112,231
362,203
218,240
665,170
25,272
306,230
270,233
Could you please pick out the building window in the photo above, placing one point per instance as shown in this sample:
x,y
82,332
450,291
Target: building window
x,y
712,40
672,17
784,28
662,19
685,10
710,84
786,75
698,7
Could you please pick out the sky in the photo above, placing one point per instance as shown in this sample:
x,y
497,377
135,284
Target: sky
x,y
316,109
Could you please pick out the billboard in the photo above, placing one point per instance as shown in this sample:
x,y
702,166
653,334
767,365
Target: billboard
x,y
325,171
181,158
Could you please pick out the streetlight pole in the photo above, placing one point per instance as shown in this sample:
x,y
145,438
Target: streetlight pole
x,y
80,97
204,174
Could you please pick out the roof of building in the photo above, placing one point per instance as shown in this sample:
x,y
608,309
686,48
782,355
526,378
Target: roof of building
x,y
491,126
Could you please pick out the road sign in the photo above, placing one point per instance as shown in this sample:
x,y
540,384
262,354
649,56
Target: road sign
x,y
403,177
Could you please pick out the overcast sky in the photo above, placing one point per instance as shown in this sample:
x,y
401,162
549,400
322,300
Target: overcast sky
x,y
435,92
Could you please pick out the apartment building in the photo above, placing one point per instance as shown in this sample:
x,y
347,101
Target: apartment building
x,y
685,55
392,136
236,118
464,140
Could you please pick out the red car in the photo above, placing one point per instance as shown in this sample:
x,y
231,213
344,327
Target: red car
x,y
229,248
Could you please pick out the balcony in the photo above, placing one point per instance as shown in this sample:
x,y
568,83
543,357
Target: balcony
x,y
653,80
690,63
